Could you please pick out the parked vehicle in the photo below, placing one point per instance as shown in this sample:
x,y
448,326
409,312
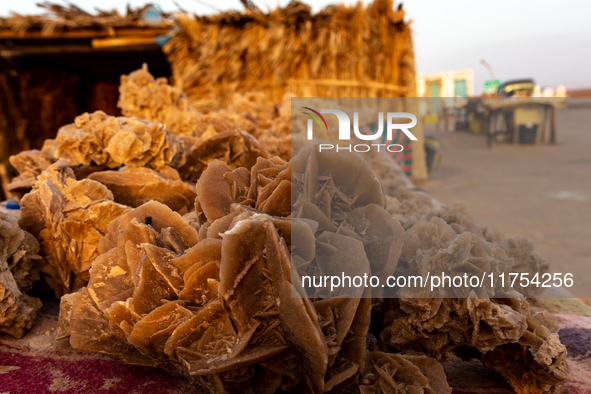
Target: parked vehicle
x,y
517,88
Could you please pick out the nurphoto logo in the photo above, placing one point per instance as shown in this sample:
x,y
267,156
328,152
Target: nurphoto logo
x,y
345,130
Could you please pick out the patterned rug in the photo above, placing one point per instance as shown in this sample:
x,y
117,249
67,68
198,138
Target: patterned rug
x,y
36,364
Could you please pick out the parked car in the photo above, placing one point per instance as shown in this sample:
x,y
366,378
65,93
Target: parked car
x,y
517,88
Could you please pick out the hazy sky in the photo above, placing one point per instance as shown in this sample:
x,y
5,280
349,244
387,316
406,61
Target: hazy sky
x,y
549,41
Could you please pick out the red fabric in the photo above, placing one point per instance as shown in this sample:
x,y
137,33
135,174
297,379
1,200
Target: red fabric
x,y
65,373
47,366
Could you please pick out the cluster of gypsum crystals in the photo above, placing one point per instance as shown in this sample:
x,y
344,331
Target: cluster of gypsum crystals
x,y
134,186
138,161
113,142
98,142
518,249
216,311
144,97
506,333
233,147
153,99
402,373
223,305
29,164
133,159
68,218
18,251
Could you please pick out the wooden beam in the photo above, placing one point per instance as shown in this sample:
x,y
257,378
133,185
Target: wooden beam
x,y
121,42
40,51
348,83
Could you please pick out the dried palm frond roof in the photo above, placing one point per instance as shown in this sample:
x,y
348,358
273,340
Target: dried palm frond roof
x,y
341,47
63,19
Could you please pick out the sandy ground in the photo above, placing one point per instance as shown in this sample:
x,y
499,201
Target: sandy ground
x,y
542,192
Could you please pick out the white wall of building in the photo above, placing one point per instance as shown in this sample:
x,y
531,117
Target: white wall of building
x,y
446,81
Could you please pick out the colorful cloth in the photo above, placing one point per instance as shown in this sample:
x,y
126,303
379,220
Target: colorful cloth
x,y
402,157
37,364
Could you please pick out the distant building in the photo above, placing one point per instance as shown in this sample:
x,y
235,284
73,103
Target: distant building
x,y
454,83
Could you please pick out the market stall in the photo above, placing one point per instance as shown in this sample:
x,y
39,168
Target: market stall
x,y
525,120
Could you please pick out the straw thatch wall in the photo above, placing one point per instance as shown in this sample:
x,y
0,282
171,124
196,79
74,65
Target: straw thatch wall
x,y
341,51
